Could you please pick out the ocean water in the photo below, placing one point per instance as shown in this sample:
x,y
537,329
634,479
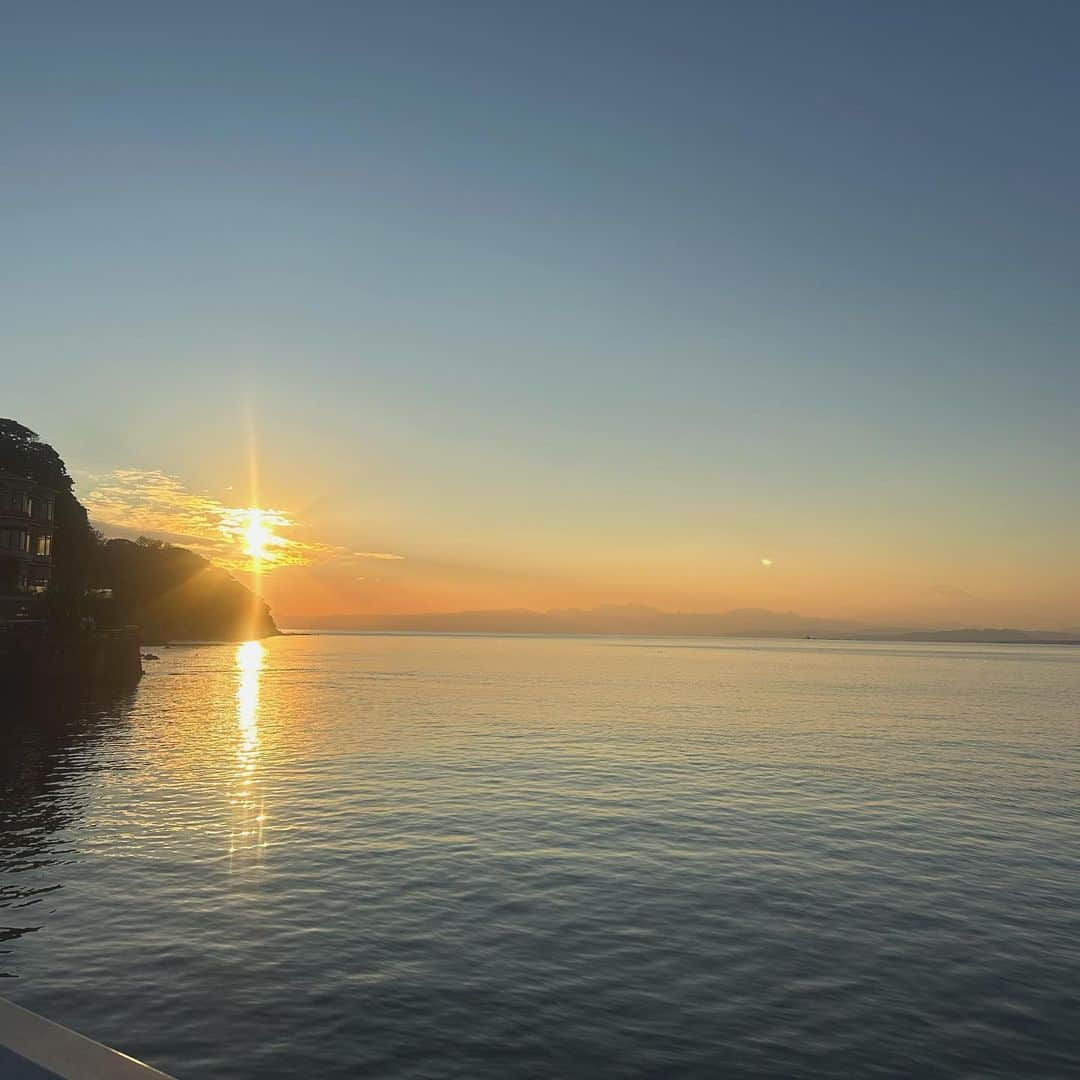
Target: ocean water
x,y
411,856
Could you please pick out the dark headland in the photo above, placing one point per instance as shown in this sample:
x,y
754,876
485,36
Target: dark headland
x,y
75,607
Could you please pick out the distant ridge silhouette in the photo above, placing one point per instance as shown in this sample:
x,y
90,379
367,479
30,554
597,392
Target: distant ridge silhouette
x,y
642,621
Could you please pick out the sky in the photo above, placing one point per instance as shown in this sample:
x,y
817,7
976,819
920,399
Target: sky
x,y
697,305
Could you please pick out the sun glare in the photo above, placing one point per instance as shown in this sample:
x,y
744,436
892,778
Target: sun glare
x,y
258,536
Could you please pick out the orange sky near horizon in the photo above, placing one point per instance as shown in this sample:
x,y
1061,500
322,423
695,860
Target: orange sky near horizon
x,y
828,569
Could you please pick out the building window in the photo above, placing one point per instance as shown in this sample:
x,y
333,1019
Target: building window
x,y
28,505
44,545
50,509
19,540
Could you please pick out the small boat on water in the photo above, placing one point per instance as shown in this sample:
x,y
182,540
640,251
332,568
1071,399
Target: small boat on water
x,y
33,1048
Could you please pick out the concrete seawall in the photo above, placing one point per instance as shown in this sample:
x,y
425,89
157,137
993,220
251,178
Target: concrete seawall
x,y
35,659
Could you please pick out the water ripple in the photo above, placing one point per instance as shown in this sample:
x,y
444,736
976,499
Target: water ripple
x,y
421,857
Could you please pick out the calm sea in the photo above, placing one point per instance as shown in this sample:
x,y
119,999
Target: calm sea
x,y
410,856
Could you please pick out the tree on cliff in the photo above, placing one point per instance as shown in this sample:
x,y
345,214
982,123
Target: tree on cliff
x,y
22,453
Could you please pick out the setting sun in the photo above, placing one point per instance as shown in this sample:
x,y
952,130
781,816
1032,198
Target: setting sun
x,y
258,536
250,540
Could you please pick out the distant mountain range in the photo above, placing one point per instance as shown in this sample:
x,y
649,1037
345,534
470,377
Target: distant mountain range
x,y
636,620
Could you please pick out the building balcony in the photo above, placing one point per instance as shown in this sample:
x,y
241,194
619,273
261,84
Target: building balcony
x,y
20,517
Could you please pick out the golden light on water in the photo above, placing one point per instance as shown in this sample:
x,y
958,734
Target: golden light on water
x,y
249,813
249,662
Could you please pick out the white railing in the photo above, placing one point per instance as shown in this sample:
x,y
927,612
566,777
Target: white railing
x,y
30,1045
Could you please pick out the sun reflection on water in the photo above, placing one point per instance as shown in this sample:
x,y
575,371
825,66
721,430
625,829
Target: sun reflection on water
x,y
249,814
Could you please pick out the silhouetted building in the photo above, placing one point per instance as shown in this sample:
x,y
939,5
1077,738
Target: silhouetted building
x,y
26,544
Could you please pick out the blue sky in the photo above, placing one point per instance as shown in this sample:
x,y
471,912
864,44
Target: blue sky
x,y
538,292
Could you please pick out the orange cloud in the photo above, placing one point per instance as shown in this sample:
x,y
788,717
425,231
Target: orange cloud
x,y
137,502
